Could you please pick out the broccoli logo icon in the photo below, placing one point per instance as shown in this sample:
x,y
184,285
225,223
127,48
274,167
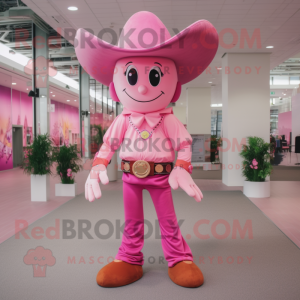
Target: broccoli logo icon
x,y
39,258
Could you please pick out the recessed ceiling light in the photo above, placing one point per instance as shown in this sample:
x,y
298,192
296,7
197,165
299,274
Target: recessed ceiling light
x,y
27,89
75,100
68,100
73,8
13,83
219,68
209,82
270,47
53,95
51,92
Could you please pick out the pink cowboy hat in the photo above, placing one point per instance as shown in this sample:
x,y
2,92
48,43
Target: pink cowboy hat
x,y
144,34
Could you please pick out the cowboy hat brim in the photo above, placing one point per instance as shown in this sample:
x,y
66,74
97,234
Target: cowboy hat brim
x,y
192,50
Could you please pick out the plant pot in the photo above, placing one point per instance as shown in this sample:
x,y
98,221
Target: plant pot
x,y
254,189
65,189
40,187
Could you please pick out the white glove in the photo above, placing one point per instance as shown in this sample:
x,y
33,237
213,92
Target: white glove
x,y
92,188
180,177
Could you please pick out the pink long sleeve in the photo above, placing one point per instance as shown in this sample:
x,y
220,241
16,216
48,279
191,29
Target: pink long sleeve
x,y
180,138
113,138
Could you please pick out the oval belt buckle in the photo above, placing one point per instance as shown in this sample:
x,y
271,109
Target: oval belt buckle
x,y
141,168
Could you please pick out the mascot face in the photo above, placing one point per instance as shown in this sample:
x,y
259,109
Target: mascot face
x,y
145,84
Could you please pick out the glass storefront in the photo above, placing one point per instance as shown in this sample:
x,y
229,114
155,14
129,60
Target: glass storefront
x,y
216,122
17,112
102,113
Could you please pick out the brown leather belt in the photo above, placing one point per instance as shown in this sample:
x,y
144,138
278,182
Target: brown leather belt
x,y
142,168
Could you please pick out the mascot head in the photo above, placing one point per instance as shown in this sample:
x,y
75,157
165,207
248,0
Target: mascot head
x,y
146,69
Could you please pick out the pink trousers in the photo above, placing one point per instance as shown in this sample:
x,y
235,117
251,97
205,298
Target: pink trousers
x,y
174,246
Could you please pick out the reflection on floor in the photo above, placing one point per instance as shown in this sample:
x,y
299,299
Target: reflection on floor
x,y
287,159
283,207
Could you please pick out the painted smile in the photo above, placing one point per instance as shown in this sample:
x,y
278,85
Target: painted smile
x,y
140,100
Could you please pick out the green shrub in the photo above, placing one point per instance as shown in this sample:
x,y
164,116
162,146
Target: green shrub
x,y
256,163
38,156
68,162
215,142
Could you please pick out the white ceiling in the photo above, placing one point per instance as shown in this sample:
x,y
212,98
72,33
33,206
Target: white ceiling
x,y
277,20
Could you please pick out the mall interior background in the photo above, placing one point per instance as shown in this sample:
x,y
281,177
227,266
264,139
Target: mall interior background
x,y
16,109
201,106
15,82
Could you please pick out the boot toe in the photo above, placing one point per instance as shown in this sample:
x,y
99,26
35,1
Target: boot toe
x,y
117,274
186,275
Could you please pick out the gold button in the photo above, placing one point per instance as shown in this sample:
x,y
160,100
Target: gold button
x,y
145,134
159,168
126,166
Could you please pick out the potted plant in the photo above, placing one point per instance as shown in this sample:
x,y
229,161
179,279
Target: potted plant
x,y
68,163
256,167
213,147
37,163
215,143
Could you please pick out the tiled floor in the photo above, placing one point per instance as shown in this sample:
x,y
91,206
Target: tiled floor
x,y
15,201
290,159
283,207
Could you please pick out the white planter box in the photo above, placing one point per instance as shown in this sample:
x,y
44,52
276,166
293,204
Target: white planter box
x,y
40,187
65,189
254,189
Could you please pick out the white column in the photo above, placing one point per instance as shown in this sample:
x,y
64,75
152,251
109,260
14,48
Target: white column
x,y
199,110
84,93
42,81
180,113
246,107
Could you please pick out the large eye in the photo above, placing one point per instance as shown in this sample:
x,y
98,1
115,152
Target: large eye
x,y
132,75
154,76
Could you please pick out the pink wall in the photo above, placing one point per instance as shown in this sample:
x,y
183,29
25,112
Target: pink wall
x,y
295,116
16,109
26,115
16,103
22,112
285,124
65,118
5,129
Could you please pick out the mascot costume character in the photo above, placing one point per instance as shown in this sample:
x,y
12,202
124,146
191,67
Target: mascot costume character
x,y
145,73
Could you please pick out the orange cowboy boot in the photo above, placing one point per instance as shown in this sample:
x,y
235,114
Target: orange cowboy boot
x,y
119,273
186,274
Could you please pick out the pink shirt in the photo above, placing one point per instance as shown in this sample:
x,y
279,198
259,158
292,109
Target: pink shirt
x,y
169,135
